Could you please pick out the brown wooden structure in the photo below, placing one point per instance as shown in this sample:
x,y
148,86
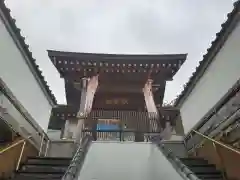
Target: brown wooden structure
x,y
121,79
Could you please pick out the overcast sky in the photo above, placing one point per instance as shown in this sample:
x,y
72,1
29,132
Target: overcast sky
x,y
120,26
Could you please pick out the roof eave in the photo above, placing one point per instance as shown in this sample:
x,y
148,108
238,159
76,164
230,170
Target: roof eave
x,y
106,56
221,37
19,40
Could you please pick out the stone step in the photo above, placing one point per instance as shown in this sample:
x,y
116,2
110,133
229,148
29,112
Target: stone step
x,y
209,175
33,176
43,168
206,169
194,161
48,161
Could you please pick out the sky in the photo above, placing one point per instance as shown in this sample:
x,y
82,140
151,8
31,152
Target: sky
x,y
120,26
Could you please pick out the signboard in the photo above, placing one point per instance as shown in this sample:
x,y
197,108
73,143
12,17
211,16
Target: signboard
x,y
130,101
116,101
108,125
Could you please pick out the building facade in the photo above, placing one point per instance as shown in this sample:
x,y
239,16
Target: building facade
x,y
111,94
210,101
25,99
127,89
20,76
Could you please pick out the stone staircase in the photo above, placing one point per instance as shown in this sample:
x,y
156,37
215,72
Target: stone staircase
x,y
202,169
36,168
49,168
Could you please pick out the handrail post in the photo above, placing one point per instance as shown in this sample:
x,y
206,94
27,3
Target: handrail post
x,y
20,156
194,146
41,145
46,150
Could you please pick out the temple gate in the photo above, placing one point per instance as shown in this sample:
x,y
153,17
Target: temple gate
x,y
114,96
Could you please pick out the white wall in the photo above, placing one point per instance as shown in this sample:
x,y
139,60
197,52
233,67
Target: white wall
x,y
16,74
61,148
118,161
54,134
73,127
221,75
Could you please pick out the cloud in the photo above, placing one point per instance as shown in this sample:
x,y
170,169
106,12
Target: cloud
x,y
120,26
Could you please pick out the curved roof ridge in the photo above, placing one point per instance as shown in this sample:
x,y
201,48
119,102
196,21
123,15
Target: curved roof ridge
x,y
85,55
214,48
6,11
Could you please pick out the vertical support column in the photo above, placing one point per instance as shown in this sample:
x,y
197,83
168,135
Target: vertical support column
x,y
148,96
94,128
151,106
139,119
81,112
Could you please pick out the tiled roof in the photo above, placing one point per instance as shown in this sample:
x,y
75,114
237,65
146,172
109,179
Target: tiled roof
x,y
117,57
211,52
25,47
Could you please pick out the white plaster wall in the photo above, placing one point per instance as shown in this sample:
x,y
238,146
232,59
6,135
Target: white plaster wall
x,y
16,74
221,75
61,148
118,161
73,127
54,134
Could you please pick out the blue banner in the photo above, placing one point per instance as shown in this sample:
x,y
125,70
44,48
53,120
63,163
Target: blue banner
x,y
107,127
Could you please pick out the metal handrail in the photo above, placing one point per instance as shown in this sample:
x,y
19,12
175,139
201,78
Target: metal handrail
x,y
6,92
43,136
41,145
181,168
77,159
22,141
46,150
214,142
11,146
21,154
217,142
